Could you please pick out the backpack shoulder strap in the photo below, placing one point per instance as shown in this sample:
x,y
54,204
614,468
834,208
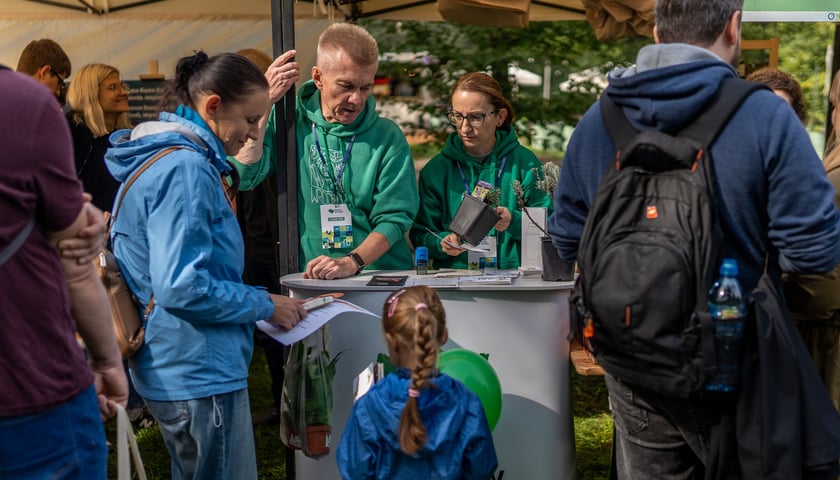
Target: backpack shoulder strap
x,y
716,115
17,241
131,180
620,129
704,129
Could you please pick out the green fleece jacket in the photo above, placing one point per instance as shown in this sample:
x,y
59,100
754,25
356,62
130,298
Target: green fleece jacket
x,y
250,176
378,183
441,188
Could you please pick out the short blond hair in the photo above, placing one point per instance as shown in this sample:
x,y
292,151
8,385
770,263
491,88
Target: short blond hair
x,y
83,99
352,39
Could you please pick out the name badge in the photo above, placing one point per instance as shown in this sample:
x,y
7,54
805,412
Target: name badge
x,y
336,226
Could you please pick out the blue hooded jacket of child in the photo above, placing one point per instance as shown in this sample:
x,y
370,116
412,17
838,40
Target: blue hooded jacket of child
x,y
459,444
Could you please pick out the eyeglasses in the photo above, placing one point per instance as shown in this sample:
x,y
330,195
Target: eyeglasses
x,y
474,120
62,81
117,86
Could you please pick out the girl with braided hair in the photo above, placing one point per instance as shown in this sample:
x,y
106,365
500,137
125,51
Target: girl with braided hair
x,y
416,422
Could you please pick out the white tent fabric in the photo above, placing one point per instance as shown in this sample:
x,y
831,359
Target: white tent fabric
x,y
388,9
130,43
129,33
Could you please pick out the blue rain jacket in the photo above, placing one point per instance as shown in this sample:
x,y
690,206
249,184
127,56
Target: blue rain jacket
x,y
460,445
177,237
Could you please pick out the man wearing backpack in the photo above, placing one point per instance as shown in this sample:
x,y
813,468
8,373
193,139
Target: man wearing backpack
x,y
771,194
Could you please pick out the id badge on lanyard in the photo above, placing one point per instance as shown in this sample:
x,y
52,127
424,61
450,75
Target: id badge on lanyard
x,y
336,226
336,221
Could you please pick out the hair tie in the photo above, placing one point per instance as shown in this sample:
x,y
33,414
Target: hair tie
x,y
421,306
413,393
392,302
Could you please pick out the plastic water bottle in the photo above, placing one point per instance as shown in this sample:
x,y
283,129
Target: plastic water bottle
x,y
728,309
421,260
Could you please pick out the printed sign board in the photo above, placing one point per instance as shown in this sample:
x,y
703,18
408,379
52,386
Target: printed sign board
x,y
143,99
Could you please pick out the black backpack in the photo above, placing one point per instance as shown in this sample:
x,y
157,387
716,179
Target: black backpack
x,y
650,250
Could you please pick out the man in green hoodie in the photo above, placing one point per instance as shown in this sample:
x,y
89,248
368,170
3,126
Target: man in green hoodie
x,y
357,193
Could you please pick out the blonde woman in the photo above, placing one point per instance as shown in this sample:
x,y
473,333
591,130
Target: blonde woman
x,y
98,102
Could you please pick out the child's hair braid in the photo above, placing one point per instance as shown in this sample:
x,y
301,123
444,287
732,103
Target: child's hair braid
x,y
415,317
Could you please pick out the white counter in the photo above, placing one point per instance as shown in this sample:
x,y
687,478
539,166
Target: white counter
x,y
522,326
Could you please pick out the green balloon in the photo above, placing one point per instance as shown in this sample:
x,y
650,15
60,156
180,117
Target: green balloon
x,y
474,371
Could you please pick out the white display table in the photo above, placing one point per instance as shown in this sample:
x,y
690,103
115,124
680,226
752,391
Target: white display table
x,y
523,327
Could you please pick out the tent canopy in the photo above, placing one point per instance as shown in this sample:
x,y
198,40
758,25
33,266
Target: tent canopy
x,y
540,10
609,18
129,34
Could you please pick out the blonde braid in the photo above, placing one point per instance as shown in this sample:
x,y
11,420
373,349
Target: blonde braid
x,y
414,317
412,431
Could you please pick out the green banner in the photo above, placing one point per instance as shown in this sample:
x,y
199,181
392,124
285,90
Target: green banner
x,y
791,11
791,6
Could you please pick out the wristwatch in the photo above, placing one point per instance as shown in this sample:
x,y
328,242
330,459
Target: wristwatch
x,y
357,259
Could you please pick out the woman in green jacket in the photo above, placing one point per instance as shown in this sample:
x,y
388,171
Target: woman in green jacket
x,y
484,147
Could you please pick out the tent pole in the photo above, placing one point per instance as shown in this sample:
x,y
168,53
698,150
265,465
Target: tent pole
x,y
286,251
283,39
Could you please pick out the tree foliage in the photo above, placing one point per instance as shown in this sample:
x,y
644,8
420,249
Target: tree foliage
x,y
570,49
803,52
455,49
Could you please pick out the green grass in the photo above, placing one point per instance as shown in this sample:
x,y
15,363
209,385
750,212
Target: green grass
x,y
592,423
593,427
271,453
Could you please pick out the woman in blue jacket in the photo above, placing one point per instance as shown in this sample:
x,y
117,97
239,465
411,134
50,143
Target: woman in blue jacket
x,y
178,243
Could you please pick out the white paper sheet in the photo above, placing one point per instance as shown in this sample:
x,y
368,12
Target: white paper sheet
x,y
314,320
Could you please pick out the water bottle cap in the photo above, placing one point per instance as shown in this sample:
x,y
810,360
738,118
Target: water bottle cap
x,y
729,267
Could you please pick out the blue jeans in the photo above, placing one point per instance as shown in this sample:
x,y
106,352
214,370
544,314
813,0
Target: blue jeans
x,y
657,436
208,438
66,442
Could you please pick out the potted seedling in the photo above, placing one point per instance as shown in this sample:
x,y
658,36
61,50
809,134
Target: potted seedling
x,y
553,267
306,411
476,215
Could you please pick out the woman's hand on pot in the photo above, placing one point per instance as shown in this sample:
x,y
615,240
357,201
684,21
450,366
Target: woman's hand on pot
x,y
504,219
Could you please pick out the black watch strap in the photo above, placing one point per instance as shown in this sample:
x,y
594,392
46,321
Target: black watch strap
x,y
357,259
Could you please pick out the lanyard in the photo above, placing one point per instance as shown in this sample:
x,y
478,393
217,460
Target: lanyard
x,y
498,174
328,167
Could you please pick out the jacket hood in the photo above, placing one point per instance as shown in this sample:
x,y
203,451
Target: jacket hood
x,y
132,148
310,100
442,403
506,142
669,85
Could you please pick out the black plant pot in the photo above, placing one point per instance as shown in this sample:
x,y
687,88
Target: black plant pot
x,y
473,220
553,267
